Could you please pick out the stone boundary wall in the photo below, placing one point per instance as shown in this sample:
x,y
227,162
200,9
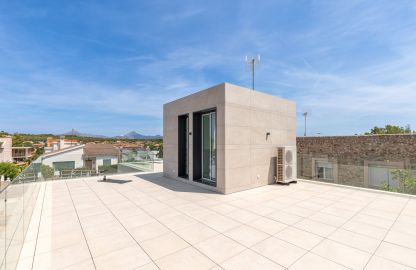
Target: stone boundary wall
x,y
351,153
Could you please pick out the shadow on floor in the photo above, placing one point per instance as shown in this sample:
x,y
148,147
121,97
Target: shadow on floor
x,y
115,181
172,184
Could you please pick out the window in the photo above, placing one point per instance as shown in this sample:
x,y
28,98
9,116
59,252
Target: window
x,y
107,162
380,176
63,165
324,170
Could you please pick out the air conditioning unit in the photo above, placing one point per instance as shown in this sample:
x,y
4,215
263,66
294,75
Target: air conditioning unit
x,y
286,165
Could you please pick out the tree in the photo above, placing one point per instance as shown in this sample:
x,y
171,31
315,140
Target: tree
x,y
390,129
9,170
17,140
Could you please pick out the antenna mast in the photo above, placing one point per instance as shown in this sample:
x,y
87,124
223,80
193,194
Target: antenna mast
x,y
251,62
305,114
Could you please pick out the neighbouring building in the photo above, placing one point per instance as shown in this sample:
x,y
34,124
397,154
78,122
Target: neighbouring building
x,y
22,153
10,153
53,145
66,159
97,155
363,161
86,156
225,138
6,149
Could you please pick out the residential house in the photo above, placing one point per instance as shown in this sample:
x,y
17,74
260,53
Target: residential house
x,y
6,149
98,155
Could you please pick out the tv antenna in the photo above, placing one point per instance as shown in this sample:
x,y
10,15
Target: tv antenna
x,y
305,113
251,62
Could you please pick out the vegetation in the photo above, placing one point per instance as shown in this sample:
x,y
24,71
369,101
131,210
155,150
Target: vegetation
x,y
47,171
9,170
107,169
389,129
160,154
406,182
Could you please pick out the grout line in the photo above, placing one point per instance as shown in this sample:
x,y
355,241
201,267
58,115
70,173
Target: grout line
x,y
40,219
264,216
79,221
385,235
112,213
222,233
164,226
336,229
240,208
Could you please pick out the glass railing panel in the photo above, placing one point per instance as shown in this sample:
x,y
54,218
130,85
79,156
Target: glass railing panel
x,y
136,160
14,222
3,244
388,174
129,161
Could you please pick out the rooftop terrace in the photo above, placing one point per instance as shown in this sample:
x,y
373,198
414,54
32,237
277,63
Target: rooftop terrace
x,y
146,221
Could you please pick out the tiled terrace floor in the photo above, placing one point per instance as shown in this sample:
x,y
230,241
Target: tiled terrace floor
x,y
150,222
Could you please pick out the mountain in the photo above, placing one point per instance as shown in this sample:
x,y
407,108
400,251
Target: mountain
x,y
135,135
79,134
130,135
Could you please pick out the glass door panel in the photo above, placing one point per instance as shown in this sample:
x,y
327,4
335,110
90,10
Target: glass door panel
x,y
213,146
209,150
206,146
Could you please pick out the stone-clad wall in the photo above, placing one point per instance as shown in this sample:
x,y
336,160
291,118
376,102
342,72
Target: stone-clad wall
x,y
351,152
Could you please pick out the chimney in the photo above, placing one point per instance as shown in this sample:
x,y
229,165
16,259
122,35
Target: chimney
x,y
61,142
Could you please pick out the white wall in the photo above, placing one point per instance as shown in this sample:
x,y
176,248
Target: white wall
x,y
99,160
74,155
6,149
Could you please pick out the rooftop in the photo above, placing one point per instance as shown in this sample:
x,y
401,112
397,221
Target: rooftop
x,y
146,221
100,149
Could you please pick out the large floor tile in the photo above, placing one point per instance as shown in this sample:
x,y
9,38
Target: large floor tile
x,y
127,258
219,222
246,235
249,260
110,243
300,238
397,254
279,251
242,215
148,231
163,245
355,240
196,233
283,217
219,248
177,222
63,257
315,227
344,255
45,244
402,239
365,229
267,225
185,259
378,263
314,262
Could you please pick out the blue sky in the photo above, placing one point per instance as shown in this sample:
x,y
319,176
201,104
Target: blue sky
x,y
106,67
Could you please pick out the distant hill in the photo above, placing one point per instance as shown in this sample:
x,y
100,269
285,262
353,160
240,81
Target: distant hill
x,y
131,135
79,134
135,135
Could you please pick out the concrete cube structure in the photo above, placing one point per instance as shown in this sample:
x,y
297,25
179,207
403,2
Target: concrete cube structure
x,y
225,138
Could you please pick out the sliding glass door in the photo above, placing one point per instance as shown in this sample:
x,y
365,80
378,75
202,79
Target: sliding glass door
x,y
209,145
